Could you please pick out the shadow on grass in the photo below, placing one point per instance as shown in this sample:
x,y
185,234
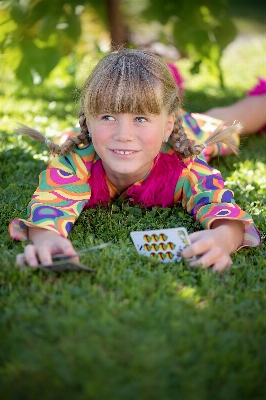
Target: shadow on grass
x,y
204,99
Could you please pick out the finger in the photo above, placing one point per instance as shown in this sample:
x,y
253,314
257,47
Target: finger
x,y
45,253
209,259
199,263
66,248
62,246
20,259
31,257
196,248
222,264
195,236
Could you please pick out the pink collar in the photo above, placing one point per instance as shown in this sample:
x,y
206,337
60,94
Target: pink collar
x,y
156,189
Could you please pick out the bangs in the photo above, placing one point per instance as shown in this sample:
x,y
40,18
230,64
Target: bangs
x,y
124,85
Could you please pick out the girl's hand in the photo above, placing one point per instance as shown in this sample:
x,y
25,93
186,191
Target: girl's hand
x,y
214,246
45,244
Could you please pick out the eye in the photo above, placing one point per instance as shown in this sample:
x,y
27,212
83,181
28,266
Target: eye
x,y
107,118
141,119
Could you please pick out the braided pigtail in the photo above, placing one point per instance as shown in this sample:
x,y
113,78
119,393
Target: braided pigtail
x,y
37,135
180,141
82,138
186,148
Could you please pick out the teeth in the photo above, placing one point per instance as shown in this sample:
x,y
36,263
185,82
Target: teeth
x,y
123,152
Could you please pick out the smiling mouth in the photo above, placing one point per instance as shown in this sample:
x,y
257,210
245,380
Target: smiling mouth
x,y
124,152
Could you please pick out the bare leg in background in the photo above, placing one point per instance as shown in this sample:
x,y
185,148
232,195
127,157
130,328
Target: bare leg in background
x,y
250,111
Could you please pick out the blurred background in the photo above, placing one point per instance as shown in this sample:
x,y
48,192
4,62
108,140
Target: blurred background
x,y
49,47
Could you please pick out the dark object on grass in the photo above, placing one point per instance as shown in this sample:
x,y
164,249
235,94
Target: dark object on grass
x,y
64,266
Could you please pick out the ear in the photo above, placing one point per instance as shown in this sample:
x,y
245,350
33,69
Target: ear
x,y
169,126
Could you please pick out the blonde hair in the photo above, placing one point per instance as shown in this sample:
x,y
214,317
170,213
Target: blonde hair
x,y
138,82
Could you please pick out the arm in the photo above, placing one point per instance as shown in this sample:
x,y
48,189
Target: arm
x,y
62,193
56,204
228,227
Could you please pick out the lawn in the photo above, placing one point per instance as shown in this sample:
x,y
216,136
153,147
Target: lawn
x,y
135,329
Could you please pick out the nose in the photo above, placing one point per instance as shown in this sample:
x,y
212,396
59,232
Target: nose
x,y
124,128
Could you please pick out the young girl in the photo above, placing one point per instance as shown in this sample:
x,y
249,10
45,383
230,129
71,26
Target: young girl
x,y
132,146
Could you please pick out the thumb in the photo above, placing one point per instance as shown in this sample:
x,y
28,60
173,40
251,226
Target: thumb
x,y
62,245
65,247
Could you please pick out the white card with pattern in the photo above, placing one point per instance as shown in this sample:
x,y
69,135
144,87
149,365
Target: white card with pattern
x,y
161,244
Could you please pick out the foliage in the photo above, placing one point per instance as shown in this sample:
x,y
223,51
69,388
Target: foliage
x,y
40,33
200,29
37,34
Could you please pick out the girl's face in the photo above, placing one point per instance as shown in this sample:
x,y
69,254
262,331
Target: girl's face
x,y
128,143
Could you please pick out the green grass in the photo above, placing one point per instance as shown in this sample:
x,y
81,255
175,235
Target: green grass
x,y
136,329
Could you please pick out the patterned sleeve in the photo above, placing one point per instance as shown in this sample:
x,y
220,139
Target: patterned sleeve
x,y
60,197
203,195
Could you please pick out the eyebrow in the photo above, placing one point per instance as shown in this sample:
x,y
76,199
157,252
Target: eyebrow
x,y
144,114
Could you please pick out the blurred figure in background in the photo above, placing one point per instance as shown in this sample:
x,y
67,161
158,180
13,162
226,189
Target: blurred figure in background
x,y
250,111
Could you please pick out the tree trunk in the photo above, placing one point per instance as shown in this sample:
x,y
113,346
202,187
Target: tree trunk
x,y
116,25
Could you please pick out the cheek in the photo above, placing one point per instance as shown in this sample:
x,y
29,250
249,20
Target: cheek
x,y
99,136
152,141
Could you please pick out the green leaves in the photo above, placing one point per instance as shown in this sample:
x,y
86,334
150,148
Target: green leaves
x,y
42,31
36,63
199,29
